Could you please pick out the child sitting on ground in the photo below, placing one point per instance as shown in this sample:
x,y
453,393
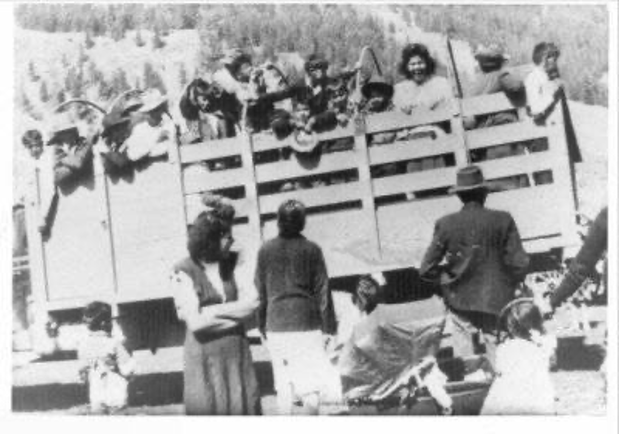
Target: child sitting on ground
x,y
523,382
106,364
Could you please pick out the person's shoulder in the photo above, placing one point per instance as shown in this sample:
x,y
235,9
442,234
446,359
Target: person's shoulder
x,y
498,215
182,265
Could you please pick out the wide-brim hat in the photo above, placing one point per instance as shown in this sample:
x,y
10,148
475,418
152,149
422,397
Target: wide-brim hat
x,y
469,178
152,100
303,142
112,120
61,124
378,83
492,53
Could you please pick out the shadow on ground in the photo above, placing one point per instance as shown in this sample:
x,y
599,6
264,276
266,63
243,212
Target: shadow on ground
x,y
145,390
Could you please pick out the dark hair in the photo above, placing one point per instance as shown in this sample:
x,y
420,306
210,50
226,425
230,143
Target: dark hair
x,y
291,217
32,137
543,49
522,318
412,50
189,109
478,195
366,296
317,61
98,316
205,235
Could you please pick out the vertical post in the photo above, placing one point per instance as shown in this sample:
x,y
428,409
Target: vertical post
x,y
461,153
36,248
251,189
365,179
106,224
563,176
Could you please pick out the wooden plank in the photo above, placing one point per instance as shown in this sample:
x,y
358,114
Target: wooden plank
x,y
143,269
251,188
314,197
292,169
197,181
78,253
267,141
484,104
339,237
365,181
509,133
36,248
412,149
518,164
417,181
210,150
396,120
407,227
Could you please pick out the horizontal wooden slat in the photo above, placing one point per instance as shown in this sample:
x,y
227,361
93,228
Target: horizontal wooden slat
x,y
395,120
501,134
484,104
412,149
266,141
291,168
417,181
517,165
314,197
197,181
211,150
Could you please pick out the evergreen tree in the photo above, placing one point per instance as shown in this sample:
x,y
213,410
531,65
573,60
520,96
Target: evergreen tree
x,y
152,79
119,81
32,72
88,42
157,40
139,41
44,95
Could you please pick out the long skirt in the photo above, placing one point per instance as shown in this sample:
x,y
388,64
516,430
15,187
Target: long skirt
x,y
219,375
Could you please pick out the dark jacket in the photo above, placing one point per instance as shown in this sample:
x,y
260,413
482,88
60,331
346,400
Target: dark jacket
x,y
292,283
484,259
593,250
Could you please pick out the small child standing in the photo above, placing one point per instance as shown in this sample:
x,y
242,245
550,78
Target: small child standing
x,y
106,364
523,383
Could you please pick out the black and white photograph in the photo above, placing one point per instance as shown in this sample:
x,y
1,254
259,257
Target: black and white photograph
x,y
296,209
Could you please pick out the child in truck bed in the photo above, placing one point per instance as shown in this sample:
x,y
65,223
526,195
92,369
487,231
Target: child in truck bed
x,y
106,364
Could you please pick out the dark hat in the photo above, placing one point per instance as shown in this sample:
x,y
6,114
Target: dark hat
x,y
316,61
378,82
490,53
113,119
469,178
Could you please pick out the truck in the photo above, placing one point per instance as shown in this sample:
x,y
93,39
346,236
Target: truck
x,y
116,239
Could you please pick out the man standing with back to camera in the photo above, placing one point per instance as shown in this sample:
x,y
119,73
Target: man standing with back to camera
x,y
296,313
484,263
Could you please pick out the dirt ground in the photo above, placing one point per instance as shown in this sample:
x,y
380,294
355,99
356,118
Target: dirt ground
x,y
580,385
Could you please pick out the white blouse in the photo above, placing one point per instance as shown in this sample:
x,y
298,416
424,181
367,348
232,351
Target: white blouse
x,y
409,95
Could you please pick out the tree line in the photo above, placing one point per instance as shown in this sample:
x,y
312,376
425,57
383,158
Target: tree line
x,y
340,31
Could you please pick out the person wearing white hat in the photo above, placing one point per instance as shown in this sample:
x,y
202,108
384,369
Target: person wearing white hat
x,y
152,137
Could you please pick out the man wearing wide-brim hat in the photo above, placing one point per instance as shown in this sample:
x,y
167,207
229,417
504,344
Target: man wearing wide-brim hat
x,y
72,153
153,136
477,258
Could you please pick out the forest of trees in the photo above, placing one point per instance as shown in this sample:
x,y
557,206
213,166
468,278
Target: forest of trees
x,y
338,31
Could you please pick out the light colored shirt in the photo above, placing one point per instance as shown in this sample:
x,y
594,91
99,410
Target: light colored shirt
x,y
430,94
540,91
147,141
